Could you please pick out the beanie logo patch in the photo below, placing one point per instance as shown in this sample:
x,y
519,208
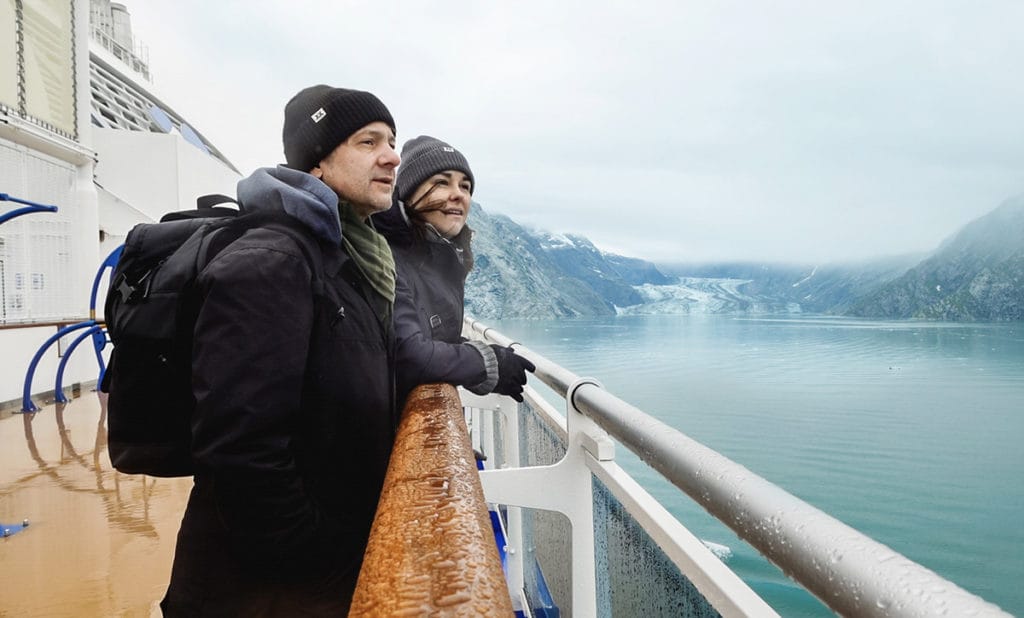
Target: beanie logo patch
x,y
318,115
448,149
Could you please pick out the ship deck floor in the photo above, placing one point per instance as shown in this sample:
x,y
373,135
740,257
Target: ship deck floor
x,y
98,543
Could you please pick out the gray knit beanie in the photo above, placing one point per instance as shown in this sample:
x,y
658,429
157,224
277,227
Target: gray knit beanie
x,y
319,118
425,156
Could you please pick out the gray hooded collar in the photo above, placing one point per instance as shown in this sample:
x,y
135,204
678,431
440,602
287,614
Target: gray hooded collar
x,y
296,193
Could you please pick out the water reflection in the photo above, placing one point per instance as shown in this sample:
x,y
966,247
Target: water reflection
x,y
100,542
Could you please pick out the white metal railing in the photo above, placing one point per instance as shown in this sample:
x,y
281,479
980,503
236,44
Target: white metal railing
x,y
850,572
136,61
566,487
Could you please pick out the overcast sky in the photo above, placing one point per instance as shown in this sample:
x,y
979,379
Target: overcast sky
x,y
793,131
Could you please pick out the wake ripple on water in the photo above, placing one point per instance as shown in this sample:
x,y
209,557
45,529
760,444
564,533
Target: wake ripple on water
x,y
722,552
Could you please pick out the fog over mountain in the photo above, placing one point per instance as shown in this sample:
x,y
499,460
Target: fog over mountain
x,y
660,129
977,274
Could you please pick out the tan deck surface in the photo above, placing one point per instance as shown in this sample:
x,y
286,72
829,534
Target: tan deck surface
x,y
99,543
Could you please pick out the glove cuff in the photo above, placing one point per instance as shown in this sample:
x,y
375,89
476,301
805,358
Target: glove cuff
x,y
490,365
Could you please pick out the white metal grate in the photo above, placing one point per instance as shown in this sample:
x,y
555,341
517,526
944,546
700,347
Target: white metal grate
x,y
36,255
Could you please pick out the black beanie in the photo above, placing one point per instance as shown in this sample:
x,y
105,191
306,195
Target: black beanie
x,y
319,118
423,157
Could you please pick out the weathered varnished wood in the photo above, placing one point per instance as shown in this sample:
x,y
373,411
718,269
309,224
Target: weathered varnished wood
x,y
432,550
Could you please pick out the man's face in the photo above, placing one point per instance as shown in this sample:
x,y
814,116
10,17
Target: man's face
x,y
361,170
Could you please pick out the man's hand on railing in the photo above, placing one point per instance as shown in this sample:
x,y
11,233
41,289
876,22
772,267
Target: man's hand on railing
x,y
512,370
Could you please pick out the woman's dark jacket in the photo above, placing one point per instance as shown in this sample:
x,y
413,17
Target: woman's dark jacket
x,y
294,422
429,308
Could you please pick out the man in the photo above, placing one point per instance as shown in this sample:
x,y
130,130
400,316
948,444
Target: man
x,y
293,376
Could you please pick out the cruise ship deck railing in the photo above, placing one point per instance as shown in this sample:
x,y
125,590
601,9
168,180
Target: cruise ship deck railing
x,y
432,550
122,53
96,330
851,573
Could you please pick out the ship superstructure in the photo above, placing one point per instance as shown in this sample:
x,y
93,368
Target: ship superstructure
x,y
82,128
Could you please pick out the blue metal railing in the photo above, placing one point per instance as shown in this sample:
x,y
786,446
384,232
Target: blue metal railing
x,y
30,207
99,341
26,396
93,329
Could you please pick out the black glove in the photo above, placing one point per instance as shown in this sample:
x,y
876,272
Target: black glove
x,y
512,370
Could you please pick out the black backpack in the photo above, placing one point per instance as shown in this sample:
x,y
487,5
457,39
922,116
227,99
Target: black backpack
x,y
150,312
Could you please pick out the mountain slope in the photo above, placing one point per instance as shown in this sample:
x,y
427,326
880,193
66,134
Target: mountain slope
x,y
522,274
978,274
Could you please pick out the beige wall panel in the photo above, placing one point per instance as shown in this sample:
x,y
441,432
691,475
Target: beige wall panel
x,y
49,63
8,55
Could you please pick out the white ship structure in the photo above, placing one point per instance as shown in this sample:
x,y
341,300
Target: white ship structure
x,y
84,129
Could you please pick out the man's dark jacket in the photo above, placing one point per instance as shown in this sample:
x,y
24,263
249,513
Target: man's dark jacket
x,y
429,308
294,422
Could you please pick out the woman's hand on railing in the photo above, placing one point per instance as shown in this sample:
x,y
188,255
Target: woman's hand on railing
x,y
512,370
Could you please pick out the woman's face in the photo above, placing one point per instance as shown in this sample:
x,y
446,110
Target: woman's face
x,y
443,201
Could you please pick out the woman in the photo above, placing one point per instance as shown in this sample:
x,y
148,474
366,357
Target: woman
x,y
426,228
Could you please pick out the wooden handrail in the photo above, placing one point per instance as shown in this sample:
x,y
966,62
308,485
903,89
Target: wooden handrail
x,y
432,549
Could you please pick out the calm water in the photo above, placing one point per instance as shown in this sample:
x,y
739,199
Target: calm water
x,y
910,432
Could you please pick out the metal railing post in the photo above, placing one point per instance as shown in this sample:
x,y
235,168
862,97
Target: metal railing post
x,y
574,498
515,552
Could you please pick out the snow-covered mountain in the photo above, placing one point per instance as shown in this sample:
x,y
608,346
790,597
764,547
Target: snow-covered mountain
x,y
527,274
522,273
